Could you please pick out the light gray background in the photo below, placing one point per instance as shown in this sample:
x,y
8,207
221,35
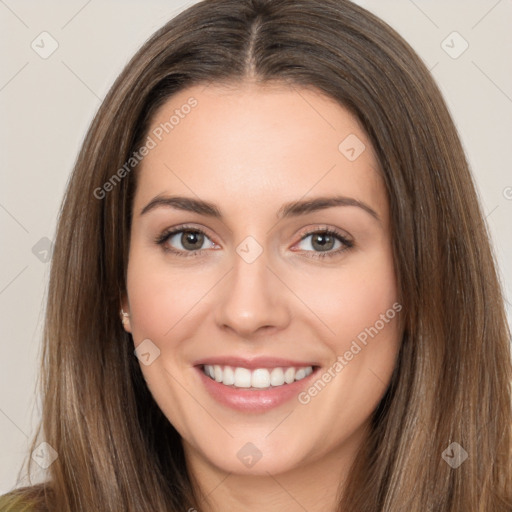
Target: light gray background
x,y
47,104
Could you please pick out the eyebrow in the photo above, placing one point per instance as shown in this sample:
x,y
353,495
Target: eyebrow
x,y
288,210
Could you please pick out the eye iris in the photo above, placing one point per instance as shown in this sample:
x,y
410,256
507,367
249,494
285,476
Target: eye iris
x,y
323,239
192,238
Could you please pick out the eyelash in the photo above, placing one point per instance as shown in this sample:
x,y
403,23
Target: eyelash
x,y
162,238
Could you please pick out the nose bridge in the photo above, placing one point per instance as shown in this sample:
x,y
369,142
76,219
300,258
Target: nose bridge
x,y
252,296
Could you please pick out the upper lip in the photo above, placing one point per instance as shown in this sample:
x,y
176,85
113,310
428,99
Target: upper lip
x,y
253,363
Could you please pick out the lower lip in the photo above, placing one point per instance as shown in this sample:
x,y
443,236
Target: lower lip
x,y
253,400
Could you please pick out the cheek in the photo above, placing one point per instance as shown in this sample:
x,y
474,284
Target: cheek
x,y
353,297
359,304
163,301
161,295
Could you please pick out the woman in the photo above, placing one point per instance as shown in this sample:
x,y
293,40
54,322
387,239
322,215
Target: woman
x,y
336,339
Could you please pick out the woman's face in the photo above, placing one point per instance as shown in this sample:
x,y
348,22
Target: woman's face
x,y
251,285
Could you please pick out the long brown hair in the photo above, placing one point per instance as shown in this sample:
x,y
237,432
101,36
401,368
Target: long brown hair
x,y
452,383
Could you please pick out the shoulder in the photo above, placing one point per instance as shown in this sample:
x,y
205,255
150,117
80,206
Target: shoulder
x,y
14,503
25,499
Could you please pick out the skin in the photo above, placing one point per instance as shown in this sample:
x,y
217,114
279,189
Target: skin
x,y
249,149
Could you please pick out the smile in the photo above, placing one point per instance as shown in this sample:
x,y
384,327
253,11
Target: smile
x,y
254,385
259,378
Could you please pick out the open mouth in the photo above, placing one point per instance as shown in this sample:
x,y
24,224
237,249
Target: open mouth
x,y
255,384
259,378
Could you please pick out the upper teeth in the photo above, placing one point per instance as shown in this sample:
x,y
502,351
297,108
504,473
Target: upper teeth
x,y
259,378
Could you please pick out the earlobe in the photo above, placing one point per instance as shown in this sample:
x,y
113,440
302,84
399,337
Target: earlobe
x,y
125,318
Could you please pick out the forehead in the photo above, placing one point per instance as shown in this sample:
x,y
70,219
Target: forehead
x,y
258,146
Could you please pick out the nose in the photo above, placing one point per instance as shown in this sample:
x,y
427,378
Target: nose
x,y
252,300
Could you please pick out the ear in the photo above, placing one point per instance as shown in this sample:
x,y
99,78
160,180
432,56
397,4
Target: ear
x,y
125,319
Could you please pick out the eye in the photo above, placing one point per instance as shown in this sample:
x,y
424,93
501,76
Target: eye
x,y
189,241
323,241
184,241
